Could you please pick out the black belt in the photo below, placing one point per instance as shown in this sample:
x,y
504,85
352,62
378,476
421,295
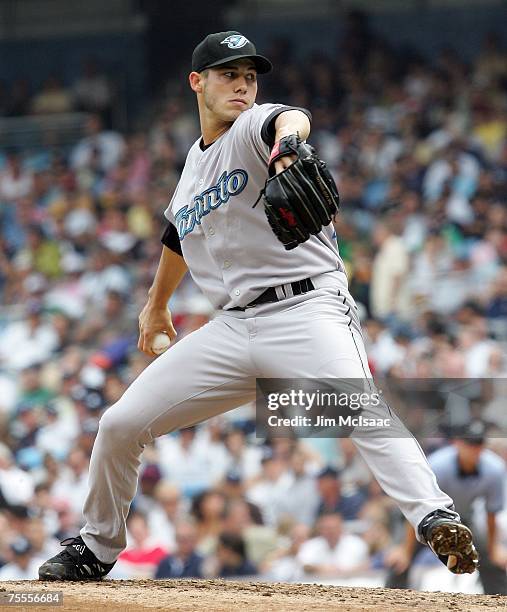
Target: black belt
x,y
298,287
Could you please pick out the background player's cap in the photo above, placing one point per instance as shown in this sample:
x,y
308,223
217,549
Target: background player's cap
x,y
474,432
223,47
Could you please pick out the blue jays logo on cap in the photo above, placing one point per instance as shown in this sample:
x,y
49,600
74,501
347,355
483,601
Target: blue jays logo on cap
x,y
222,47
236,41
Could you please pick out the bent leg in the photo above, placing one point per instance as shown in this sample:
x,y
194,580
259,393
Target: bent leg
x,y
325,341
205,374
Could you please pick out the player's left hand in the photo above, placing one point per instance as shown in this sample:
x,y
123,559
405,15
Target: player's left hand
x,y
300,197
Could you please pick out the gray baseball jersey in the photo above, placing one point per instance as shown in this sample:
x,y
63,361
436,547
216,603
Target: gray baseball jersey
x,y
230,250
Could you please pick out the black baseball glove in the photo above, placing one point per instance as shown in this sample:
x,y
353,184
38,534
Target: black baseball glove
x,y
301,199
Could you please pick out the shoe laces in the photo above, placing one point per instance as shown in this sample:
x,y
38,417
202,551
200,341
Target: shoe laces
x,y
71,551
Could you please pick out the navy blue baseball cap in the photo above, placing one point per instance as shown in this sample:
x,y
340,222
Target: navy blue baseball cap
x,y
224,47
474,432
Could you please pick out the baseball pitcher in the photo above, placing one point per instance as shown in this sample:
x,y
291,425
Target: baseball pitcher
x,y
251,220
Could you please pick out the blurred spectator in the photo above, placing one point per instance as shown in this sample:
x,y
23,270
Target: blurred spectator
x,y
390,269
40,539
241,457
354,474
22,565
245,520
93,92
300,499
208,509
167,511
103,273
332,553
19,98
232,486
384,353
68,520
231,560
100,149
142,556
45,509
476,347
72,483
184,562
496,304
53,98
331,498
34,339
184,461
269,487
86,437
15,181
282,565
144,500
44,254
16,485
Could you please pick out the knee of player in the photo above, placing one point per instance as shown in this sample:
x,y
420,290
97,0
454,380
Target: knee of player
x,y
115,428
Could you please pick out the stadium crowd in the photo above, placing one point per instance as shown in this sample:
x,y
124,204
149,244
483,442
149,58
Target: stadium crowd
x,y
419,151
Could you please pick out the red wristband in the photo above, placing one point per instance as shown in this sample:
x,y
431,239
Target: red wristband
x,y
274,152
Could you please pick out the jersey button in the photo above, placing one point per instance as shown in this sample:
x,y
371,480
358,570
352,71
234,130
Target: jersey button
x,y
227,264
211,231
201,181
237,292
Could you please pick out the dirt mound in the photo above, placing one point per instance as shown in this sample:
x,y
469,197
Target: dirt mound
x,y
211,595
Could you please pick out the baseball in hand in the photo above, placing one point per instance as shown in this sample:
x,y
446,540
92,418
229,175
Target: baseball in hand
x,y
161,342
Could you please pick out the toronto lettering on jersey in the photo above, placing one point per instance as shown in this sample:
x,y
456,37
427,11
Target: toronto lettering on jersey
x,y
229,184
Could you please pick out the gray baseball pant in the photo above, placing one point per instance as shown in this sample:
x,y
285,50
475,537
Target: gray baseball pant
x,y
213,370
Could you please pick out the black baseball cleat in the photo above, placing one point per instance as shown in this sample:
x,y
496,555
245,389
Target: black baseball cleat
x,y
450,540
76,562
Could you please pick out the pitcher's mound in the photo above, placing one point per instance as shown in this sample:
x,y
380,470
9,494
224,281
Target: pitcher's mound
x,y
211,595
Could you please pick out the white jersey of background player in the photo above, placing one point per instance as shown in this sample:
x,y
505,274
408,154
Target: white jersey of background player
x,y
279,314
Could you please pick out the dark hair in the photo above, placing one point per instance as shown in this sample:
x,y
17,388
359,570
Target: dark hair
x,y
198,501
233,542
255,513
136,513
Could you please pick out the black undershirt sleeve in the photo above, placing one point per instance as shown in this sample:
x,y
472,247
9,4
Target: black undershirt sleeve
x,y
171,240
268,127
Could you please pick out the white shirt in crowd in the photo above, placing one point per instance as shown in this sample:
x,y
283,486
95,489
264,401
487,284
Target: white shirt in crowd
x,y
71,489
349,552
184,467
300,499
12,188
32,346
108,145
268,495
12,571
16,485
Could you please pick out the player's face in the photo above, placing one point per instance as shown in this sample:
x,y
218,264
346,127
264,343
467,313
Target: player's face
x,y
469,454
230,89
